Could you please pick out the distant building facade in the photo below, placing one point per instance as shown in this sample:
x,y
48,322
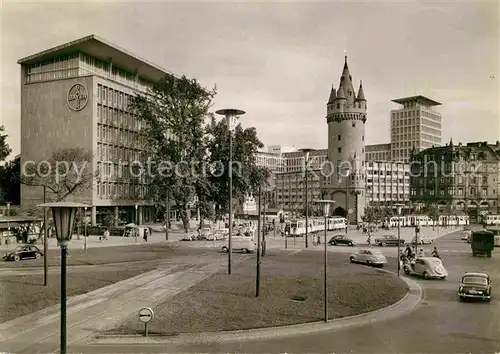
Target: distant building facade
x,y
416,124
387,183
459,178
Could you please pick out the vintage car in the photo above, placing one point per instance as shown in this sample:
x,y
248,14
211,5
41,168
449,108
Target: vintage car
x,y
389,240
422,240
475,285
23,252
369,256
240,243
427,267
341,240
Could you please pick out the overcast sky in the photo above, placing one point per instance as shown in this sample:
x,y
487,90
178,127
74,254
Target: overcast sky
x,y
277,61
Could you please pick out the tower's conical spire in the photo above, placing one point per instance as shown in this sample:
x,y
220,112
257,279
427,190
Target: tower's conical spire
x,y
333,95
361,93
451,141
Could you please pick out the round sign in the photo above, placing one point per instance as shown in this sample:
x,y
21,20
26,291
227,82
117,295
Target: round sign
x,y
146,314
78,97
350,211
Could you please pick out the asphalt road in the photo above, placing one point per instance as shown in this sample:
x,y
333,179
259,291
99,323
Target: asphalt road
x,y
441,324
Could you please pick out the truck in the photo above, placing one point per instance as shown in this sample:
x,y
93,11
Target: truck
x,y
482,243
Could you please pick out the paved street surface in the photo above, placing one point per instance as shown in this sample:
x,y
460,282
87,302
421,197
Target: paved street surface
x,y
441,324
89,313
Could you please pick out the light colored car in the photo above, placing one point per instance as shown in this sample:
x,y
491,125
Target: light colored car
x,y
427,267
369,256
422,240
240,243
466,234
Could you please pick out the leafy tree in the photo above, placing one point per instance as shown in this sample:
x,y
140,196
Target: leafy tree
x,y
433,213
68,171
373,215
108,218
5,149
247,176
174,114
10,182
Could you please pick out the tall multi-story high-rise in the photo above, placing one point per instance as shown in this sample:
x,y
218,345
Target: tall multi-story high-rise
x,y
346,118
415,124
77,95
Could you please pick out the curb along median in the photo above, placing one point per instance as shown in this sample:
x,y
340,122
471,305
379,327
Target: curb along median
x,y
407,304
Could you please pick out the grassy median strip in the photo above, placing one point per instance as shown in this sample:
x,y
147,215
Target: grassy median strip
x,y
25,294
291,293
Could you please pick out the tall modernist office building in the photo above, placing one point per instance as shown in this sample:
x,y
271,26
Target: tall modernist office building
x,y
77,95
415,124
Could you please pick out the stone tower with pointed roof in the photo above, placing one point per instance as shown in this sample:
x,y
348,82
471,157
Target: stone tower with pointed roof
x,y
344,178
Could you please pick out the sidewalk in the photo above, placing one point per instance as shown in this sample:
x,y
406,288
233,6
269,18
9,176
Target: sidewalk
x,y
93,241
90,313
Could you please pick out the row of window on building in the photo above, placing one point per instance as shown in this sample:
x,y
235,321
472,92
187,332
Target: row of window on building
x,y
109,190
401,115
114,171
459,179
387,196
107,152
112,72
450,191
118,118
118,136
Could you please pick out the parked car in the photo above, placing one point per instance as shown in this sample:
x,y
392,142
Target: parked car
x,y
23,252
475,285
341,240
427,267
389,240
369,256
240,243
422,240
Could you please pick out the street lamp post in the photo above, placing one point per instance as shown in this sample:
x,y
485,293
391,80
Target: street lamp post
x,y
231,116
306,160
399,207
64,220
85,229
257,277
136,221
326,210
45,239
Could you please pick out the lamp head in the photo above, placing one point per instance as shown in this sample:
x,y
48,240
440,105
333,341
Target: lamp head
x,y
326,205
64,219
231,115
399,207
306,152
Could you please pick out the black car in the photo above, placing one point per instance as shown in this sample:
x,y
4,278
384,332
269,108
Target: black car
x,y
389,240
341,240
475,285
23,252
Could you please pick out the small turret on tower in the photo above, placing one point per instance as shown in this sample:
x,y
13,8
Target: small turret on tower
x,y
361,93
333,96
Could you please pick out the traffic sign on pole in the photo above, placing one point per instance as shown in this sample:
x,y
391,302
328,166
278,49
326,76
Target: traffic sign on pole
x,y
146,314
